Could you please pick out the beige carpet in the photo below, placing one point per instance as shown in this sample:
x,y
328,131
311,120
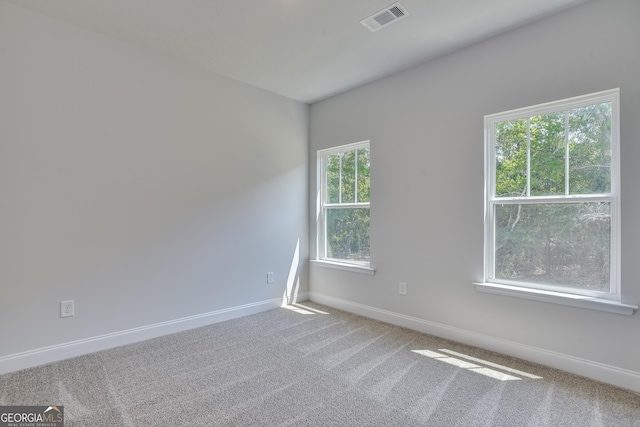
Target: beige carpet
x,y
310,365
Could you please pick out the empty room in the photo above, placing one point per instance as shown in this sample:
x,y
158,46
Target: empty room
x,y
285,212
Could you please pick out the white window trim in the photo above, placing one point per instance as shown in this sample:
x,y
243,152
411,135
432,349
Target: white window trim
x,y
611,301
338,264
571,300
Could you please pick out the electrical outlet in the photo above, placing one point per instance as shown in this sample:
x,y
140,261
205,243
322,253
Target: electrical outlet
x,y
270,278
66,308
402,288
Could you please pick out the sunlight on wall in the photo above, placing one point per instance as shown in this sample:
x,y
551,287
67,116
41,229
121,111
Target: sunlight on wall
x,y
484,370
293,280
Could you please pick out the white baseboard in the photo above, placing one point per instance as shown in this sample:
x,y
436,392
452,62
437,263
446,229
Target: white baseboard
x,y
598,371
41,356
297,297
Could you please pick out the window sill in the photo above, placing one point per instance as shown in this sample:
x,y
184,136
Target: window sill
x,y
354,268
558,298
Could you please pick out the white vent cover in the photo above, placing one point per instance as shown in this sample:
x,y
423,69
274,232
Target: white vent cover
x,y
386,16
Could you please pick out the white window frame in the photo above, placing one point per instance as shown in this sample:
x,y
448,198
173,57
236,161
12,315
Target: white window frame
x,y
607,301
322,207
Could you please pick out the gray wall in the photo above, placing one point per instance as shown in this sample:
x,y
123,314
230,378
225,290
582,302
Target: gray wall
x,y
426,132
144,190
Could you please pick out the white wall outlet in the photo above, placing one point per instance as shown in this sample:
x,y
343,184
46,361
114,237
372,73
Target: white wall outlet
x,y
270,278
402,288
66,308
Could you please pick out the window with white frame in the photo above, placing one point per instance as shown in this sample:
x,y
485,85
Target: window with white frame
x,y
343,220
552,197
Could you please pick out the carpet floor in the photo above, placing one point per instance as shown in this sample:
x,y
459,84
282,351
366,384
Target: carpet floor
x,y
311,365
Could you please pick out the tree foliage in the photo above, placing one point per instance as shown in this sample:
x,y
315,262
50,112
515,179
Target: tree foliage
x,y
560,242
348,194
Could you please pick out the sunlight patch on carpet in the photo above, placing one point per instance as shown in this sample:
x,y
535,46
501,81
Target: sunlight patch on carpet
x,y
477,367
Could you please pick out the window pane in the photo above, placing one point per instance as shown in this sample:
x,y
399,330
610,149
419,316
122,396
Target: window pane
x,y
511,158
590,149
564,244
333,178
348,234
349,177
363,175
547,136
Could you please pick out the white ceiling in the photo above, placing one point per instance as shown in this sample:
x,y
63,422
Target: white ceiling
x,y
306,50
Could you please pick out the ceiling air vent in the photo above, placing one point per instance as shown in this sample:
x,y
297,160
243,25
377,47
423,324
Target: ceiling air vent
x,y
386,16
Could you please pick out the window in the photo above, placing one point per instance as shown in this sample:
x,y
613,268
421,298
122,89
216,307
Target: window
x,y
552,198
343,219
